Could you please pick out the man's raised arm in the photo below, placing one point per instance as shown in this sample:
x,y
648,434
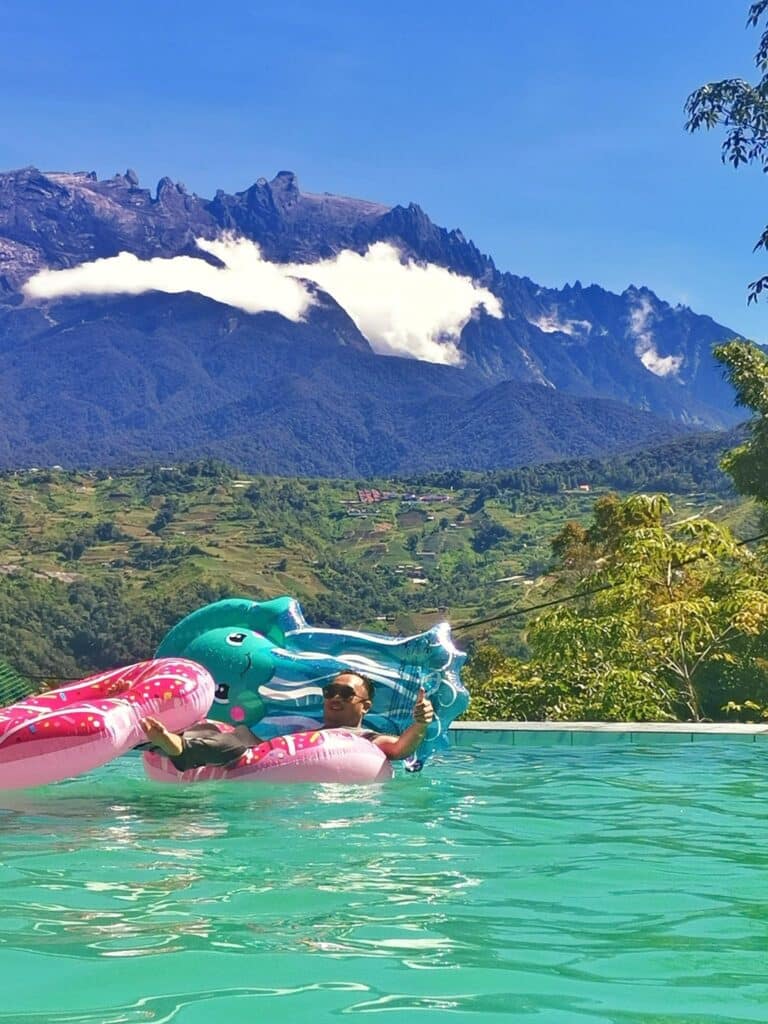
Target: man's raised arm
x,y
398,747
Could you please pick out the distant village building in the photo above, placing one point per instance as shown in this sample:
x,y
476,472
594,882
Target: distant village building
x,y
370,497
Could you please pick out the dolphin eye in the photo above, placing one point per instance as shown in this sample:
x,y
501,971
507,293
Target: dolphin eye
x,y
236,639
221,693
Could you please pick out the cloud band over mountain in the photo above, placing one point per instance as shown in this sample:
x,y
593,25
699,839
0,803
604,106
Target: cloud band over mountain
x,y
403,309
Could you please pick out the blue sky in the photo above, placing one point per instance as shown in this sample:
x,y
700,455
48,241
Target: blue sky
x,y
549,131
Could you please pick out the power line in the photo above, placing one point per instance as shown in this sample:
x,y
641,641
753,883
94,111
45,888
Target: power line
x,y
532,608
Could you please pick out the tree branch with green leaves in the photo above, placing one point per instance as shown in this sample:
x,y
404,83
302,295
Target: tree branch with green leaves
x,y
742,109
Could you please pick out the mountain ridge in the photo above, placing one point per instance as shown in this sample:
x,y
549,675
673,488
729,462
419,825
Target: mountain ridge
x,y
136,352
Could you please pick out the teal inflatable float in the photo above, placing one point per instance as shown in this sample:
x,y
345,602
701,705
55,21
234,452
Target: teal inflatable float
x,y
269,667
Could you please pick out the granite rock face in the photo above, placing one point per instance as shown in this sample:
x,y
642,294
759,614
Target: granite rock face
x,y
58,220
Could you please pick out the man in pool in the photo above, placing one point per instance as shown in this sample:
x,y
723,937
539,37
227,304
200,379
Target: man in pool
x,y
346,700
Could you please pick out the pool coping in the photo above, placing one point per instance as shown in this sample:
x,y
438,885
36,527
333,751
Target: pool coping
x,y
675,728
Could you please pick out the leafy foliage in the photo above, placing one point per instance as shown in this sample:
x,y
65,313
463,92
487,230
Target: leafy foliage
x,y
742,109
13,687
664,606
481,542
746,367
62,631
680,467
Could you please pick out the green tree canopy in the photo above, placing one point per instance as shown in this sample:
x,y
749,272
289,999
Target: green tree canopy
x,y
746,367
670,624
742,109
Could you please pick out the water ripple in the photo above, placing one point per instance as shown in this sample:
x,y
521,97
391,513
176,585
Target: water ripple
x,y
585,885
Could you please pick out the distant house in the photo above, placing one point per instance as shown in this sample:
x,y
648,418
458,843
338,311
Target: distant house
x,y
370,497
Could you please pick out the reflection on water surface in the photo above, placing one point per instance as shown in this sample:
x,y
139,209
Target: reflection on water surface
x,y
588,885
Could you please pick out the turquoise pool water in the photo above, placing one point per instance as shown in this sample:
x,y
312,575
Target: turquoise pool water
x,y
621,883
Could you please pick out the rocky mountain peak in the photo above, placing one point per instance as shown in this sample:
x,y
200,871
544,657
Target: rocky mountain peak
x,y
631,347
285,189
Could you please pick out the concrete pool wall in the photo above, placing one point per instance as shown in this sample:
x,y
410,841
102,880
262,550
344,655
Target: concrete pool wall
x,y
531,734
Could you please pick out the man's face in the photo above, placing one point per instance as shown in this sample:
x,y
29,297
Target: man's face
x,y
345,701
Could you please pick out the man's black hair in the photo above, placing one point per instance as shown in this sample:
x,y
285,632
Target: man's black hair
x,y
370,686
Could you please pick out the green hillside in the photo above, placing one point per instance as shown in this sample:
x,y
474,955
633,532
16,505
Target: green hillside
x,y
95,567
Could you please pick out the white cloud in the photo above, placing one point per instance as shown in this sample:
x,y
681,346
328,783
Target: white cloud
x,y
640,320
553,324
246,281
402,308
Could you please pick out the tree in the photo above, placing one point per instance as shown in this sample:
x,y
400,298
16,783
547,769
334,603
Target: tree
x,y
504,688
742,109
668,607
577,547
746,368
488,534
678,597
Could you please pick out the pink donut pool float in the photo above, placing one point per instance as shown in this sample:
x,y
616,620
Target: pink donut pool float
x,y
321,755
65,732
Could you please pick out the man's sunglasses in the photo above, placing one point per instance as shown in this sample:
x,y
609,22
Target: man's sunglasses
x,y
340,690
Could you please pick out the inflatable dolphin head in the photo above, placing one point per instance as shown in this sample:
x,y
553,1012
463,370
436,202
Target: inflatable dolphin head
x,y
269,667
